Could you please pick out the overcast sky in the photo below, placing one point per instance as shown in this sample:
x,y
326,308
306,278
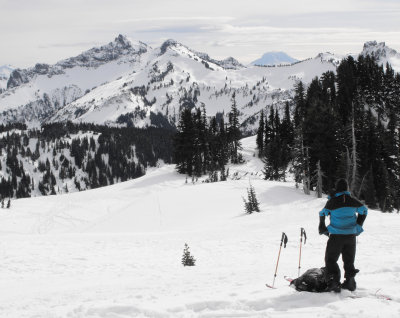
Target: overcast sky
x,y
46,31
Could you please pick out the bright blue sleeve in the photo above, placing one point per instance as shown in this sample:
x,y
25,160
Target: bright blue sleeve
x,y
362,210
325,212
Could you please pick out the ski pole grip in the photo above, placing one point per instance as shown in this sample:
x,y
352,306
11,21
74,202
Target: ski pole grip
x,y
303,233
284,239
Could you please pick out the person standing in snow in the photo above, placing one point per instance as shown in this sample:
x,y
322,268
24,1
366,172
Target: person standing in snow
x,y
347,216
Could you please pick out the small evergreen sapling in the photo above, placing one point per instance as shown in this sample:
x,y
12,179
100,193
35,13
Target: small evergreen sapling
x,y
187,258
252,204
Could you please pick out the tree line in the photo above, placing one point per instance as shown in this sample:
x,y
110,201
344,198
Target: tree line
x,y
61,157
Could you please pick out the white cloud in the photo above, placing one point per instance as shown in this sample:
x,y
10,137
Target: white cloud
x,y
50,30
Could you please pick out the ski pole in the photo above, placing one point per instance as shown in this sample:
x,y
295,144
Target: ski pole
x,y
302,233
284,241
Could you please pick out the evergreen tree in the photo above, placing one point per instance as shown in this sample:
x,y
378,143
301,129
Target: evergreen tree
x,y
346,82
260,135
319,177
276,150
187,258
286,132
251,204
297,150
183,143
320,133
369,193
234,133
197,144
300,105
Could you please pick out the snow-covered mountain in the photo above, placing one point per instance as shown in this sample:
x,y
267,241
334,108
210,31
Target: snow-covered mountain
x,y
127,82
130,81
116,251
121,50
5,72
174,73
382,53
35,94
274,58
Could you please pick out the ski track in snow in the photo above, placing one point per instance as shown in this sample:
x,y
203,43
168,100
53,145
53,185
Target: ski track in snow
x,y
115,252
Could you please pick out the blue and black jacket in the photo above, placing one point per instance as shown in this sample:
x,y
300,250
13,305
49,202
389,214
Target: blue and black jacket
x,y
347,214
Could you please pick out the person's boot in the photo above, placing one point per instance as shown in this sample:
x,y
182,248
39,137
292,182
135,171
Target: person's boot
x,y
349,284
333,286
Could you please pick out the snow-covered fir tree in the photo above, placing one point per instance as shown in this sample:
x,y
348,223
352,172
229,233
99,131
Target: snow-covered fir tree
x,y
251,204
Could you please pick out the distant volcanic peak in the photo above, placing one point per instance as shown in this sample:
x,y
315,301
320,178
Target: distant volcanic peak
x,y
274,58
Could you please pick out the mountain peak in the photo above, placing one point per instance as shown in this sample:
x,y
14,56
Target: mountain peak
x,y
167,44
121,47
123,41
6,70
231,60
170,42
231,63
274,58
373,44
379,50
382,54
329,57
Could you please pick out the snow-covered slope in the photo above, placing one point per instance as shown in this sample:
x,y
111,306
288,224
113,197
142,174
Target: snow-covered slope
x,y
116,252
274,58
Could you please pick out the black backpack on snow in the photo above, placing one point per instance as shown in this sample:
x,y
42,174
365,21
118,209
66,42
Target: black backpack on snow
x,y
313,280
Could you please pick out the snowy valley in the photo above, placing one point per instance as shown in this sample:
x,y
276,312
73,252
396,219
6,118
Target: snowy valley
x,y
220,159
95,121
116,251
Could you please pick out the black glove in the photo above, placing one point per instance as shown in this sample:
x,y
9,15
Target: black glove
x,y
322,229
360,219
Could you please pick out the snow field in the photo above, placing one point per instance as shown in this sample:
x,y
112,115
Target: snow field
x,y
116,252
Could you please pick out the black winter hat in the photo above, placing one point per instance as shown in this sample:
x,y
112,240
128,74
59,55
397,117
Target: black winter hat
x,y
342,185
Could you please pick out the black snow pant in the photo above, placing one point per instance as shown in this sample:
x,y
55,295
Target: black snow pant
x,y
340,244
